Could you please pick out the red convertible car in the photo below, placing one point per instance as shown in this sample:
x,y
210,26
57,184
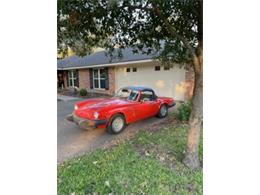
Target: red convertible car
x,y
130,104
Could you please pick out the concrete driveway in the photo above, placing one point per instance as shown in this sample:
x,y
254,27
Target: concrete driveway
x,y
73,141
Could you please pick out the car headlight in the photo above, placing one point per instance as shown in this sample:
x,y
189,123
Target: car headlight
x,y
96,115
75,107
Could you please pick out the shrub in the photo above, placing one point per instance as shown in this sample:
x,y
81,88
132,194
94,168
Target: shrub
x,y
184,111
83,92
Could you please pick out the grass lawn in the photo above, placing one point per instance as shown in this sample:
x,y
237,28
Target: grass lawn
x,y
149,163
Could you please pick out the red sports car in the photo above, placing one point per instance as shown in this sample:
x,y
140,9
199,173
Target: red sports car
x,y
130,104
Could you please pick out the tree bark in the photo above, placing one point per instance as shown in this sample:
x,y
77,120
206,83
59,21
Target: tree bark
x,y
195,122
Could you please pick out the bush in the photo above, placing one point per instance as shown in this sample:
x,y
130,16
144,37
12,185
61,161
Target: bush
x,y
83,92
184,111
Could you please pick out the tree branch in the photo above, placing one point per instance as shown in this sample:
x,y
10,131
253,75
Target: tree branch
x,y
171,29
196,59
145,8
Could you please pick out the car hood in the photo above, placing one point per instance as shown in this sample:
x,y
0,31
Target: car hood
x,y
107,103
87,108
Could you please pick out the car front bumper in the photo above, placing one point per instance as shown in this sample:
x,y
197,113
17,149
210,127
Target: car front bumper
x,y
171,105
85,123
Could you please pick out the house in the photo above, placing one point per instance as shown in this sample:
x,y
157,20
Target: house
x,y
100,74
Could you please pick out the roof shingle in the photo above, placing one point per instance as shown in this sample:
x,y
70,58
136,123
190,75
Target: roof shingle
x,y
100,58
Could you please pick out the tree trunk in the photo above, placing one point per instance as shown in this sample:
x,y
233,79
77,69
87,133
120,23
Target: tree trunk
x,y
195,122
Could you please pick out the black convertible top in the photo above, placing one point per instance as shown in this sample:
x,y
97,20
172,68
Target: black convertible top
x,y
139,88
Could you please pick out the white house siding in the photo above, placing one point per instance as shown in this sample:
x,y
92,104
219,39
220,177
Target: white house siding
x,y
169,83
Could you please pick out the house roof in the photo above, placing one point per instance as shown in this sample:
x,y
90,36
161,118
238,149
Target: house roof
x,y
101,59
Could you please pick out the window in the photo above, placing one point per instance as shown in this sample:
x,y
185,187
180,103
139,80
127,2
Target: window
x,y
166,67
127,94
134,69
147,96
128,70
72,77
157,68
99,78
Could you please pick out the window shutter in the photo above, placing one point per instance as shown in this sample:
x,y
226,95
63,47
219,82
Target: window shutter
x,y
77,78
107,78
91,78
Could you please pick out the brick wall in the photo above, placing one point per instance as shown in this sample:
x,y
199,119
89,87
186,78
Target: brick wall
x,y
189,83
65,75
112,83
84,81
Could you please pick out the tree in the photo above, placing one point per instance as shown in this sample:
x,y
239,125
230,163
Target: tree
x,y
173,29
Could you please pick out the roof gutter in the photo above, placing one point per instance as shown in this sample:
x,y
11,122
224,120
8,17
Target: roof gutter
x,y
106,65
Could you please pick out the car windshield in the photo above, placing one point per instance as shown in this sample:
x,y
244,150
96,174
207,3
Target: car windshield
x,y
127,94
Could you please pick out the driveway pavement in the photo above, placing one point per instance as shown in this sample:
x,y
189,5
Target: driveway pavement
x,y
73,141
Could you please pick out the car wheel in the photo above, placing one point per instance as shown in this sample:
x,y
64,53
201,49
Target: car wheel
x,y
163,112
116,124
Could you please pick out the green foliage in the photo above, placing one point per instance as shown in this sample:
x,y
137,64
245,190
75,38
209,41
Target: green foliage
x,y
124,169
142,25
83,92
184,111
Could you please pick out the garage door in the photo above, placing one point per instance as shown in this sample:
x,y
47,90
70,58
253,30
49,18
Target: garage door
x,y
166,82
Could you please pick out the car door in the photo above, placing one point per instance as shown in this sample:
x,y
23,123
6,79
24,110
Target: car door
x,y
149,106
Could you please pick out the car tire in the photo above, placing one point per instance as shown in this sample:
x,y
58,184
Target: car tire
x,y
116,124
163,112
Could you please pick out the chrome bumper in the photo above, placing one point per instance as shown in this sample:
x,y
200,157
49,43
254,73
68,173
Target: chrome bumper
x,y
171,105
85,123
